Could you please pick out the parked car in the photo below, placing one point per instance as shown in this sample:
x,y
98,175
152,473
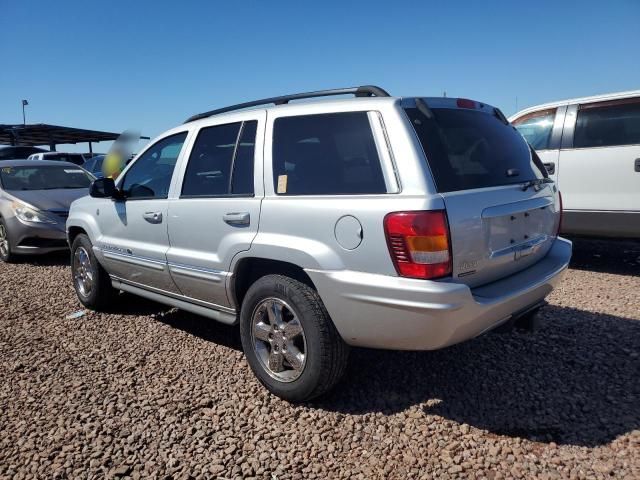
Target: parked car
x,y
35,196
18,152
94,165
397,223
75,158
591,148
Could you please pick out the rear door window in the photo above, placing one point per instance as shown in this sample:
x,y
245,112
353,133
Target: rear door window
x,y
469,149
326,154
221,161
606,124
536,127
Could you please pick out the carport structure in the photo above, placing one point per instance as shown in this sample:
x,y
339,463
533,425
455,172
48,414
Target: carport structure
x,y
52,135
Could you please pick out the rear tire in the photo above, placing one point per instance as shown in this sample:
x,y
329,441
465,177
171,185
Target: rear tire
x,y
289,339
90,280
5,245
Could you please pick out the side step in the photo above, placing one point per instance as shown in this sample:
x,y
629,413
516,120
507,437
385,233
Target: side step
x,y
223,317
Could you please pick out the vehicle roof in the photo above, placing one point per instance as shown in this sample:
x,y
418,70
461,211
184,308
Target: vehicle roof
x,y
571,101
312,106
38,163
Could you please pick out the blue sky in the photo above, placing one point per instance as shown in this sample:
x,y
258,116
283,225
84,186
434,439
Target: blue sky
x,y
114,65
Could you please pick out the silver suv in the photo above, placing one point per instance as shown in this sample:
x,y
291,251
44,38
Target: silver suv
x,y
384,222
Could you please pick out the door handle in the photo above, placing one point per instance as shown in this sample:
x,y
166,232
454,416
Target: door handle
x,y
237,218
153,217
637,165
551,167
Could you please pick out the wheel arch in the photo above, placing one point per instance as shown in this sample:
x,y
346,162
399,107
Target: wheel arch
x,y
248,270
73,232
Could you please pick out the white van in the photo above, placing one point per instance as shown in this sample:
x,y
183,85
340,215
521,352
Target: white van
x,y
591,148
76,158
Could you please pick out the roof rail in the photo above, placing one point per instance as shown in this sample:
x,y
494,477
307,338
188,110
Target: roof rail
x,y
363,91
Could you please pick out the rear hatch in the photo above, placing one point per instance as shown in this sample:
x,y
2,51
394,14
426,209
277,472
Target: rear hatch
x,y
503,216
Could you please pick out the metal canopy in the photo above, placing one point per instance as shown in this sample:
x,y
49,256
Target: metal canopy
x,y
43,134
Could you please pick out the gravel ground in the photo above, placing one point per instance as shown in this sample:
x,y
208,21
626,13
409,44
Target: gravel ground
x,y
148,392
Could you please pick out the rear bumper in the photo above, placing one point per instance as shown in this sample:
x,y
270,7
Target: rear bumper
x,y
381,311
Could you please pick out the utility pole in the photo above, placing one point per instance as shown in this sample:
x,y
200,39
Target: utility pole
x,y
24,104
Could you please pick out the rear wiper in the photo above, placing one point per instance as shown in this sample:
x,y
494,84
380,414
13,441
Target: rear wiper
x,y
536,184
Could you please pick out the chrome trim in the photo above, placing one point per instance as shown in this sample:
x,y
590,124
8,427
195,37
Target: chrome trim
x,y
521,250
151,263
215,276
517,207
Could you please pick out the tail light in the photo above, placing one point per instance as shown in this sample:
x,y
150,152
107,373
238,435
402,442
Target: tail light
x,y
419,243
560,220
465,103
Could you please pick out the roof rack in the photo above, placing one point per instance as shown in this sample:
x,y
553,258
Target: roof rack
x,y
363,91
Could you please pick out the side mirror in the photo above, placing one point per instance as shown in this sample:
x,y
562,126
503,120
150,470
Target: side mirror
x,y
104,188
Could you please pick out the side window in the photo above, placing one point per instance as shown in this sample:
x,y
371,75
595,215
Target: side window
x,y
606,124
221,163
150,175
242,179
536,127
324,154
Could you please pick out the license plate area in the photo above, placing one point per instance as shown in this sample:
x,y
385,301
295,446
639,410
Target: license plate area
x,y
517,232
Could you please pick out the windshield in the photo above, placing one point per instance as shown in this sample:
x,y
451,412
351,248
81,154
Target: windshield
x,y
44,178
471,149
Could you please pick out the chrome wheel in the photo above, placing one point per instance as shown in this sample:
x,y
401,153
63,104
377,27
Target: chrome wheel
x,y
4,242
82,272
278,339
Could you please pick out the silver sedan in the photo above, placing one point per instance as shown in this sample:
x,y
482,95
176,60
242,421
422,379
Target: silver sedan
x,y
35,196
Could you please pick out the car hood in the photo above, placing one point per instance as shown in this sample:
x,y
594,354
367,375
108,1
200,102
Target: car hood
x,y
50,199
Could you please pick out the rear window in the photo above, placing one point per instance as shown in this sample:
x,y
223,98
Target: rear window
x,y
326,154
469,149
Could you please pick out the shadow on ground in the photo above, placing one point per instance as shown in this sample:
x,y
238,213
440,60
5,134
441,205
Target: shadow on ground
x,y
575,381
54,259
195,325
607,256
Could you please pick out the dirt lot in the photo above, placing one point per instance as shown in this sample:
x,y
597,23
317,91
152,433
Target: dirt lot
x,y
148,392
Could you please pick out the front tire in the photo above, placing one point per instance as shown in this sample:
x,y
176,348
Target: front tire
x,y
5,246
289,339
90,280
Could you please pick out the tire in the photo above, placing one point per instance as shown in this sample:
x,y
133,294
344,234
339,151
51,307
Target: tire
x,y
86,271
325,353
5,245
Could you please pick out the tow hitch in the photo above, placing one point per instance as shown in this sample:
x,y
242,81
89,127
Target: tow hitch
x,y
525,320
